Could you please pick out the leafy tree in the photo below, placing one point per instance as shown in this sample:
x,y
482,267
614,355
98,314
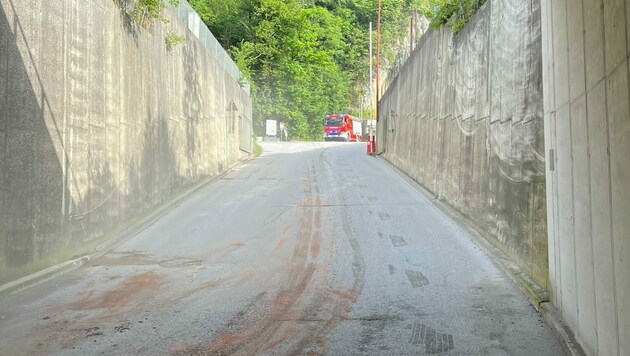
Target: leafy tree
x,y
306,58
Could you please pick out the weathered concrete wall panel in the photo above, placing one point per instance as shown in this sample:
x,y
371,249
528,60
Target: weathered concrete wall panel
x,y
588,148
99,124
472,131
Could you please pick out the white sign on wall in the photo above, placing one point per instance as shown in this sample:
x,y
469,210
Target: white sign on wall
x,y
272,128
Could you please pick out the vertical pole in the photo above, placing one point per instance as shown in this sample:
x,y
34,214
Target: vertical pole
x,y
378,61
371,80
410,34
361,110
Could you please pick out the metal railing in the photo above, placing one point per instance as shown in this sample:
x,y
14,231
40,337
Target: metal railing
x,y
191,18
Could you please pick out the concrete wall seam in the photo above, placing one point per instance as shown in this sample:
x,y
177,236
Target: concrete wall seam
x,y
589,202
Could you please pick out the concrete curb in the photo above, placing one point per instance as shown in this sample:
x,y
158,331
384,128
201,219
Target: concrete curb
x,y
125,233
561,330
42,276
537,296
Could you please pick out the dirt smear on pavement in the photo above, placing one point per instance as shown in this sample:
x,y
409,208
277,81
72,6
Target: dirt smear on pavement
x,y
122,295
298,318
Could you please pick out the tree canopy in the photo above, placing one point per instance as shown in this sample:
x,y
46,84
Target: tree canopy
x,y
306,58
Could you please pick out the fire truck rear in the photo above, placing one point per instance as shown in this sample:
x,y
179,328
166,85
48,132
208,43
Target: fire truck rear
x,y
342,128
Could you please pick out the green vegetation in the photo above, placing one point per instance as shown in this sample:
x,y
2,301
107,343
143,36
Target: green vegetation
x,y
139,14
456,13
172,39
306,58
144,12
258,150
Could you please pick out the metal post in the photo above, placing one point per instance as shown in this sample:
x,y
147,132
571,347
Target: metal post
x,y
371,81
378,60
410,34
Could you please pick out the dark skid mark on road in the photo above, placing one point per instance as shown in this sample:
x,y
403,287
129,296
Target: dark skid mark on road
x,y
372,332
93,331
434,342
392,269
383,216
371,199
260,327
180,263
298,319
343,306
416,278
398,241
275,216
122,327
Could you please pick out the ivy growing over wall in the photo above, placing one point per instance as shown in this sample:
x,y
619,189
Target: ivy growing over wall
x,y
144,12
140,14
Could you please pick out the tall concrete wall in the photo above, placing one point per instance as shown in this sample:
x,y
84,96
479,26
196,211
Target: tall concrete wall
x,y
100,124
465,119
587,133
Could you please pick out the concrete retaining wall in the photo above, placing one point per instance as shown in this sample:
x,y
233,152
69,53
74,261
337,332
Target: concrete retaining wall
x,y
100,124
465,119
587,131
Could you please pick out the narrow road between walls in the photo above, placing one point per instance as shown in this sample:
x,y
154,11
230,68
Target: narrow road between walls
x,y
312,248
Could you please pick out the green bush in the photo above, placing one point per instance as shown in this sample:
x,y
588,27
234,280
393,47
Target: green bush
x,y
456,13
172,39
144,12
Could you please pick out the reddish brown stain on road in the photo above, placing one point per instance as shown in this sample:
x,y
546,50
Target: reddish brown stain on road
x,y
280,244
122,295
274,320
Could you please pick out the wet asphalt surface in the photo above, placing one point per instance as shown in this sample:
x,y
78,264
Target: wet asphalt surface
x,y
313,248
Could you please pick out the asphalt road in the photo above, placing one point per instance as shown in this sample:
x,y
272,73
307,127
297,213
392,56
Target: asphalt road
x,y
313,248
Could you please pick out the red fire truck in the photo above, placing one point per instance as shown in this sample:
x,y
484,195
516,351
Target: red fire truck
x,y
343,127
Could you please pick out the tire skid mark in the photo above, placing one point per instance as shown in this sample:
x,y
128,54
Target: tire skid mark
x,y
316,245
339,303
350,295
392,269
266,328
433,341
280,244
221,254
398,241
417,279
383,216
286,228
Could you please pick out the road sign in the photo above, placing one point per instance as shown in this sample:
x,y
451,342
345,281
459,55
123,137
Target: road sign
x,y
272,128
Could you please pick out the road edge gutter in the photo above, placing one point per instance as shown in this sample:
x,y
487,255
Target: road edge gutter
x,y
125,232
537,296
